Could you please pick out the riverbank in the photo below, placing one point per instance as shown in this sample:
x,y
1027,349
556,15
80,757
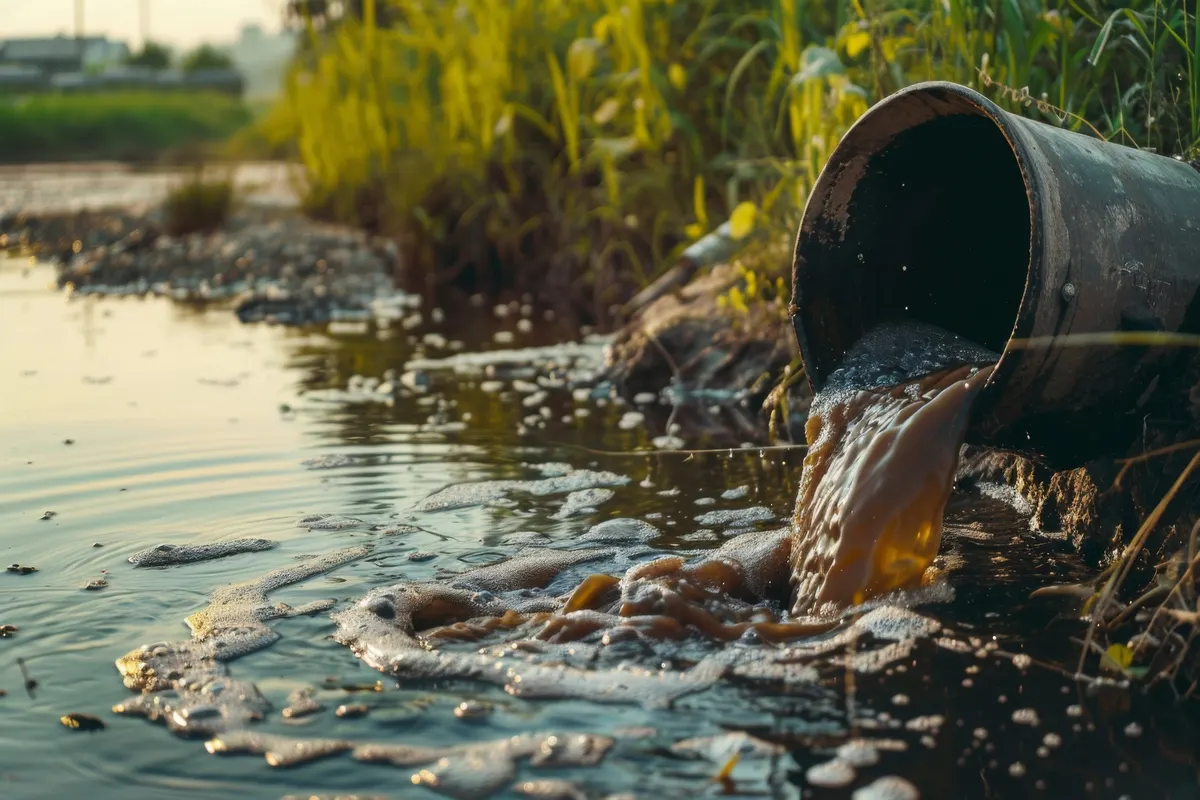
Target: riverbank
x,y
133,127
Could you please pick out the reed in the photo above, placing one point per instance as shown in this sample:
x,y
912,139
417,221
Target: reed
x,y
575,147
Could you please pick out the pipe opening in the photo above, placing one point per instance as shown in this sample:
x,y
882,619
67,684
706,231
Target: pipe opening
x,y
922,212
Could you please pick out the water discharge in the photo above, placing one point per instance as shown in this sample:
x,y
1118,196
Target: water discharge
x,y
884,437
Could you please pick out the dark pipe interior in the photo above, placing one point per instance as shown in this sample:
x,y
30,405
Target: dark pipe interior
x,y
938,230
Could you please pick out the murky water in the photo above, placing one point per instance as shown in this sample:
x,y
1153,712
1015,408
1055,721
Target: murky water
x,y
186,427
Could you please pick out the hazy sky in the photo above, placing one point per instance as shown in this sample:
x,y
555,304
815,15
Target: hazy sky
x,y
179,23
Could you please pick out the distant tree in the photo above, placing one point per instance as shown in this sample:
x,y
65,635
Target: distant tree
x,y
206,57
155,56
324,14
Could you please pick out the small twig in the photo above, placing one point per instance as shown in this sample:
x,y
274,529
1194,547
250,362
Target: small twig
x,y
30,683
1126,463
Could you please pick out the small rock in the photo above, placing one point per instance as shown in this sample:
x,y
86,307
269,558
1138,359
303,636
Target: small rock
x,y
68,441
21,570
7,631
352,711
421,556
49,515
95,585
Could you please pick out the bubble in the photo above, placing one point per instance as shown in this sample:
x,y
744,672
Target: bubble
x,y
1026,716
832,774
889,787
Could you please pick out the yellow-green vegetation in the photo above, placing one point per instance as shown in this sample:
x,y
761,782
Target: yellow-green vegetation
x,y
200,203
567,145
125,126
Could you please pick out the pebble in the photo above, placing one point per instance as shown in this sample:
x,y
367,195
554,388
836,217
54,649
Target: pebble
x,y
49,515
421,556
95,585
7,631
352,711
1133,730
21,569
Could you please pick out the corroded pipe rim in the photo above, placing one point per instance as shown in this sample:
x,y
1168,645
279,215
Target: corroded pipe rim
x,y
971,102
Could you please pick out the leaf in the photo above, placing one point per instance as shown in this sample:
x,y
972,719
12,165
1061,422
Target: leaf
x,y
1117,657
1102,38
607,111
727,770
700,207
857,42
817,62
581,58
677,75
741,221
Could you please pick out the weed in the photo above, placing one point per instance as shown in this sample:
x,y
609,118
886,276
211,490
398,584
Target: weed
x,y
575,147
198,204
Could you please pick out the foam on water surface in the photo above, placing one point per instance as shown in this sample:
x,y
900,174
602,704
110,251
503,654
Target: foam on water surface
x,y
465,495
170,554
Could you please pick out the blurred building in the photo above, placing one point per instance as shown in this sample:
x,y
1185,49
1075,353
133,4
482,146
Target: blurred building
x,y
60,54
262,58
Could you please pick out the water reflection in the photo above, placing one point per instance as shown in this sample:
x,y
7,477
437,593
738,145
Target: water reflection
x,y
208,430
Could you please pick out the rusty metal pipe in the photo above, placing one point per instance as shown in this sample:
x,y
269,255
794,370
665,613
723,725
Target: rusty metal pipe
x,y
940,206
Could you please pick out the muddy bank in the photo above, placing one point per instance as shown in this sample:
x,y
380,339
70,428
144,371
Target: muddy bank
x,y
695,347
688,342
271,263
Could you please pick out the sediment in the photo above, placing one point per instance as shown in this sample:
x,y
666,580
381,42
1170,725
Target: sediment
x,y
267,262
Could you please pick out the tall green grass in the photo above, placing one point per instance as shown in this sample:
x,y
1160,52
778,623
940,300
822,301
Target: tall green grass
x,y
126,126
578,145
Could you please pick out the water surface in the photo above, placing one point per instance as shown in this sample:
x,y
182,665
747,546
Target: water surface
x,y
185,426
